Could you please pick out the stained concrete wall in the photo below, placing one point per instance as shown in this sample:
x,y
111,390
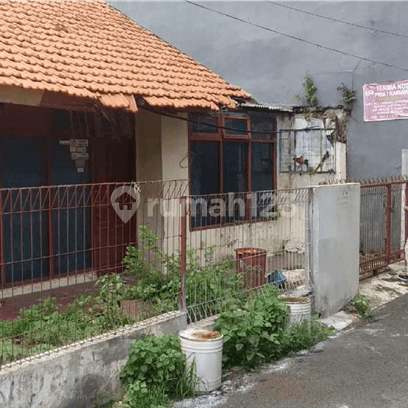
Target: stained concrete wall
x,y
338,149
334,237
271,66
79,376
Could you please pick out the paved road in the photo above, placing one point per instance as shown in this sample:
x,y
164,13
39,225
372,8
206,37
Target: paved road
x,y
366,367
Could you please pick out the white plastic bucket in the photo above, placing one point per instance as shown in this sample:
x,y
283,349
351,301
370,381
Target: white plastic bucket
x,y
300,309
204,347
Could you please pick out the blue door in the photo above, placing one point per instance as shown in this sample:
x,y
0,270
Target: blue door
x,y
36,242
24,234
71,234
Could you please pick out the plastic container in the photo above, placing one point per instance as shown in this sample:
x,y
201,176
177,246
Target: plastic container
x,y
204,347
252,264
300,309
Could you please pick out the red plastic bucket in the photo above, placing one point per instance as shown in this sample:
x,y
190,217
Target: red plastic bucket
x,y
251,263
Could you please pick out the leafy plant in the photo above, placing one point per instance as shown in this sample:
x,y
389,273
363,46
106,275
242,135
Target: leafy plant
x,y
348,95
309,95
274,217
159,279
253,333
156,372
361,306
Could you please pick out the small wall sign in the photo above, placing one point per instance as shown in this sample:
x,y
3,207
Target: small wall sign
x,y
79,152
385,101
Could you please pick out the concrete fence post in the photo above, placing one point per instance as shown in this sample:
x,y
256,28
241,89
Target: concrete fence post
x,y
404,163
335,233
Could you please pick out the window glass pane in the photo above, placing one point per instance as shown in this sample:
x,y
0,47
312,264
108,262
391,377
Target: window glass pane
x,y
263,126
235,166
236,126
261,166
204,167
235,170
261,179
204,124
204,181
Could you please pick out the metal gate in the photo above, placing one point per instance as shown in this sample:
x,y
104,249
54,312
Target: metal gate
x,y
383,229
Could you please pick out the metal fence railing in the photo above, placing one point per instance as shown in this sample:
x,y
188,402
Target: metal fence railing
x,y
383,221
240,242
62,273
77,261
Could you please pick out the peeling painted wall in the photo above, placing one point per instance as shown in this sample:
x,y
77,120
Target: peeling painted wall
x,y
327,119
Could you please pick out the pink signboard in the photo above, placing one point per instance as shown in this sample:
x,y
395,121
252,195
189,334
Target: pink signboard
x,y
385,101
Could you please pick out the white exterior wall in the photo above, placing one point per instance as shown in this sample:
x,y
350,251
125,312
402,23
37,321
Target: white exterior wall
x,y
175,167
148,146
174,148
285,233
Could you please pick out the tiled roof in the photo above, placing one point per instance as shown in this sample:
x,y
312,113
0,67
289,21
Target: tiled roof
x,y
91,50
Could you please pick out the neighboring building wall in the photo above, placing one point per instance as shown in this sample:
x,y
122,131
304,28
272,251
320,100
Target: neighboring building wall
x,y
271,66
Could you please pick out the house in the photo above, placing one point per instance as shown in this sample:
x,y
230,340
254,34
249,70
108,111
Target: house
x,y
84,112
81,111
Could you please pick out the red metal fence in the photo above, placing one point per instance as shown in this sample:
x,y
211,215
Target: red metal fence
x,y
80,260
382,223
240,242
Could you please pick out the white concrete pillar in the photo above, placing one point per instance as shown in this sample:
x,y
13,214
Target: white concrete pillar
x,y
335,233
404,163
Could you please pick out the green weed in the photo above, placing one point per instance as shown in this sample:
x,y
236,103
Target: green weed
x,y
157,373
361,306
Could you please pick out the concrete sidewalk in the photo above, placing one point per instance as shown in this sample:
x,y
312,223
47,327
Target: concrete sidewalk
x,y
363,366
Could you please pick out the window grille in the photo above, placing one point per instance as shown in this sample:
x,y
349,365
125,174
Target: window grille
x,y
307,151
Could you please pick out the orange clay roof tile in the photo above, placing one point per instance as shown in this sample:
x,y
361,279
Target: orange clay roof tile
x,y
67,46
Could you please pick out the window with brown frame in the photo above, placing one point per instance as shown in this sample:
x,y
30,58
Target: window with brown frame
x,y
232,167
